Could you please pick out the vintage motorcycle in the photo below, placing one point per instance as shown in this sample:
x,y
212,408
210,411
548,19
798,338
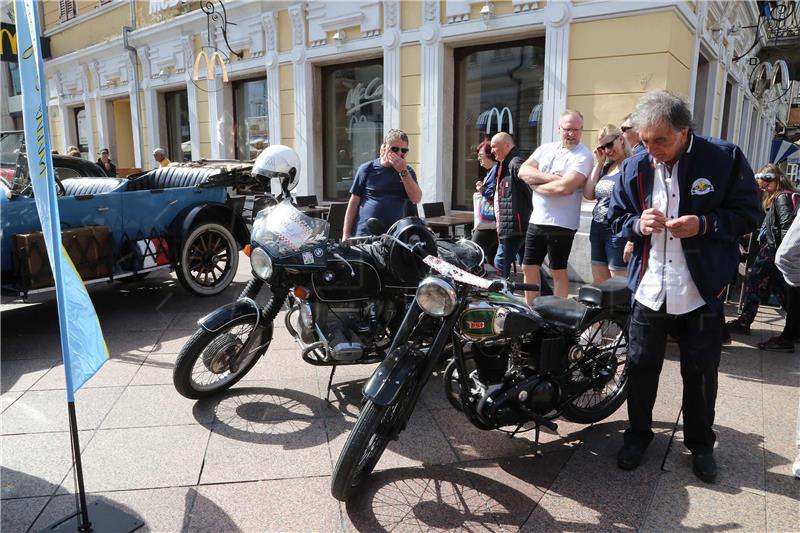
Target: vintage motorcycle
x,y
344,304
511,365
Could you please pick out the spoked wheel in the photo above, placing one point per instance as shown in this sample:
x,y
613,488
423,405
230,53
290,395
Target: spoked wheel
x,y
599,362
376,426
208,260
203,366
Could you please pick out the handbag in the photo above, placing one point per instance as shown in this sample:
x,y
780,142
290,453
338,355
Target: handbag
x,y
483,212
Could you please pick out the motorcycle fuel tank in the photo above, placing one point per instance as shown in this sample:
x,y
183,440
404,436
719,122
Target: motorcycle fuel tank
x,y
355,278
478,320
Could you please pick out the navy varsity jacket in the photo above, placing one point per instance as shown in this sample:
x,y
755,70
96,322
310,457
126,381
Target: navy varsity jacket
x,y
716,181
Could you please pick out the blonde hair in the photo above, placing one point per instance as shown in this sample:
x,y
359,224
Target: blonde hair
x,y
611,129
782,181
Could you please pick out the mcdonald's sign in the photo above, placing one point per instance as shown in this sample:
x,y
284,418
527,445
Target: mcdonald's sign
x,y
210,62
8,43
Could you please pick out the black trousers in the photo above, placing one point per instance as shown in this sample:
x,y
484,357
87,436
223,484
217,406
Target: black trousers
x,y
699,339
791,330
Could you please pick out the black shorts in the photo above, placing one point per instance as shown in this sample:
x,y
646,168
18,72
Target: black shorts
x,y
551,241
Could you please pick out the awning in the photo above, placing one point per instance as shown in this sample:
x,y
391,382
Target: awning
x,y
782,150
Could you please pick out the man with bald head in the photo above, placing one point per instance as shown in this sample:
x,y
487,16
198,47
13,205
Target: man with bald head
x,y
512,199
556,172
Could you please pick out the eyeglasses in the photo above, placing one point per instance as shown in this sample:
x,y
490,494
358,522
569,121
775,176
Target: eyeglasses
x,y
570,130
396,149
609,144
625,129
766,176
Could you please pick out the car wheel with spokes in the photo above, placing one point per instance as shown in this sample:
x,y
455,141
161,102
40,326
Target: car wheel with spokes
x,y
208,259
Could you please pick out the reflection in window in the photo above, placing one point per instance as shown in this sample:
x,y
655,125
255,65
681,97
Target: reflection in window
x,y
179,143
496,89
16,86
250,112
353,122
82,131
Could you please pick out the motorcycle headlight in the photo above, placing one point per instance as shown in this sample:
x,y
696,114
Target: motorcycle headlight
x,y
436,296
261,264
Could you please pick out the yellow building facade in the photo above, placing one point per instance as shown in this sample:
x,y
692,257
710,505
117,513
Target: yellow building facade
x,y
329,78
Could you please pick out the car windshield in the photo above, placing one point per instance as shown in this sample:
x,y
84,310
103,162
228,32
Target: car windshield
x,y
10,142
283,230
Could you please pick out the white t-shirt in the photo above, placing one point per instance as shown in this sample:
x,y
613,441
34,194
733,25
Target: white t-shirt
x,y
561,211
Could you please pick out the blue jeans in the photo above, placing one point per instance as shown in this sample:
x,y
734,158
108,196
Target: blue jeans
x,y
507,250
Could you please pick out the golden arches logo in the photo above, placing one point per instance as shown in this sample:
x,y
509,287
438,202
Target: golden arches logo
x,y
7,35
215,57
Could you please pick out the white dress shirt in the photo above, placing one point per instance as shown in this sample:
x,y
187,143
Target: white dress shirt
x,y
667,276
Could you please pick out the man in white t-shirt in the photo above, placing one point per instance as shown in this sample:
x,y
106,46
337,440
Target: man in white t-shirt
x,y
556,172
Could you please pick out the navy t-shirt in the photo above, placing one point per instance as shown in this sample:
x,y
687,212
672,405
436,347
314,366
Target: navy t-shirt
x,y
382,194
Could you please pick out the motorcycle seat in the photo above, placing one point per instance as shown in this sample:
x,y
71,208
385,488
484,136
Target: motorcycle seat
x,y
612,293
564,311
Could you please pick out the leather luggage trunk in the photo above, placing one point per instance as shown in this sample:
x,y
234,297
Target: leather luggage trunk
x,y
89,247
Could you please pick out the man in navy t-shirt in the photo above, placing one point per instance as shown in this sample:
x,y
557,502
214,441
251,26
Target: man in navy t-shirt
x,y
382,187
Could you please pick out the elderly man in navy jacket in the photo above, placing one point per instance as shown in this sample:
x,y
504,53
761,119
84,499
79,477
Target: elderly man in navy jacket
x,y
683,203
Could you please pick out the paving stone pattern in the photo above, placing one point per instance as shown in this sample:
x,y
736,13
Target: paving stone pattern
x,y
260,457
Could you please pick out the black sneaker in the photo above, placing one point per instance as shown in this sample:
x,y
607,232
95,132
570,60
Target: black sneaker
x,y
777,344
737,327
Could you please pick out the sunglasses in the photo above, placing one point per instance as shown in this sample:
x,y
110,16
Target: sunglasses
x,y
766,176
396,149
626,128
609,144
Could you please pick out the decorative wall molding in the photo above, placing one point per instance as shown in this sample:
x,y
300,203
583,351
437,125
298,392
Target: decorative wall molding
x,y
520,6
269,21
324,17
557,23
391,65
297,17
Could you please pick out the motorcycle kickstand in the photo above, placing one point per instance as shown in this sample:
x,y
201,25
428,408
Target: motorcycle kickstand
x,y
514,433
330,382
536,432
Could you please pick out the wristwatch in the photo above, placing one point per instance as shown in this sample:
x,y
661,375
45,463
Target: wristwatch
x,y
404,173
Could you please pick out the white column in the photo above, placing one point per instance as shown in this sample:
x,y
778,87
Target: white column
x,y
432,179
558,14
303,105
271,64
101,110
136,124
88,98
191,96
151,112
391,65
63,116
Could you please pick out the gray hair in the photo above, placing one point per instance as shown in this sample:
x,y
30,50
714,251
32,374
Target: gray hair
x,y
160,151
393,134
658,108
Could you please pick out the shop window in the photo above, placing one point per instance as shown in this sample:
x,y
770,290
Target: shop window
x,y
497,88
179,145
701,94
82,130
67,9
250,112
726,132
352,121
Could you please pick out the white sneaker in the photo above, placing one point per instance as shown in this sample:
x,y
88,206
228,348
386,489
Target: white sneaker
x,y
796,466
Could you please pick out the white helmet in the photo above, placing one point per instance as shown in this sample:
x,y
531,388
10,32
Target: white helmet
x,y
277,161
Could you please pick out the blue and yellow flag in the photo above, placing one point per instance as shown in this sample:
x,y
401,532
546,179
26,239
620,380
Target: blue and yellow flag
x,y
82,345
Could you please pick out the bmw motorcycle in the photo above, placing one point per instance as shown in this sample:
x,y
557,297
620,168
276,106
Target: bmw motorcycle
x,y
344,304
512,364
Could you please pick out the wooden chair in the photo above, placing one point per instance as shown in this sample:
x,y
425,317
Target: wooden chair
x,y
306,201
434,209
336,220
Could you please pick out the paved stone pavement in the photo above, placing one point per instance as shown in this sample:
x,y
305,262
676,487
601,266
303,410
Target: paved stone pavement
x,y
259,458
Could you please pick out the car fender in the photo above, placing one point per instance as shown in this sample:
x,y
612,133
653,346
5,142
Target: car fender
x,y
388,379
219,213
222,316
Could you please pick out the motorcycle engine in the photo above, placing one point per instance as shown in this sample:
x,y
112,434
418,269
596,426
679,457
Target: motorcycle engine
x,y
510,395
350,327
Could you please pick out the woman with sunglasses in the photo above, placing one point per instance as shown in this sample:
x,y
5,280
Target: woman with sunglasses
x,y
487,238
607,248
780,200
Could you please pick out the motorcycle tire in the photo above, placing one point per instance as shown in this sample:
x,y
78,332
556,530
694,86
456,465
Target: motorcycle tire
x,y
607,407
202,352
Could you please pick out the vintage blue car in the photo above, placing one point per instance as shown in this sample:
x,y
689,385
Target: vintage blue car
x,y
182,217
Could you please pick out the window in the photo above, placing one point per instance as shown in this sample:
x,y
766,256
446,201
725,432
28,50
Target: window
x,y
726,132
352,121
67,9
250,112
179,145
743,125
16,86
82,130
700,94
497,88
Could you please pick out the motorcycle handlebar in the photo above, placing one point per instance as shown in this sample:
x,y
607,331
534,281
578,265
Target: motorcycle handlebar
x,y
512,286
